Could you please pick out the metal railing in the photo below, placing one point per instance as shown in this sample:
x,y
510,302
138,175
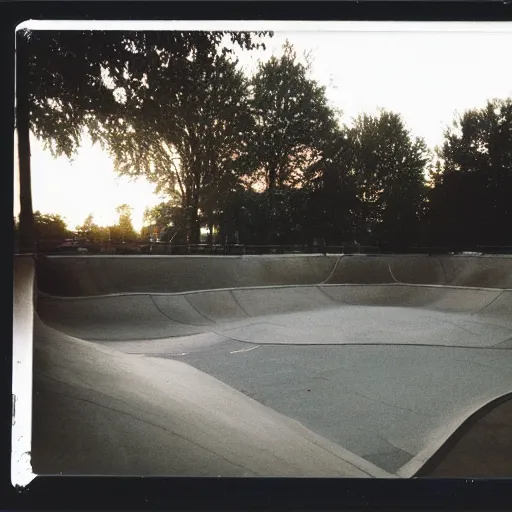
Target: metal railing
x,y
167,248
247,249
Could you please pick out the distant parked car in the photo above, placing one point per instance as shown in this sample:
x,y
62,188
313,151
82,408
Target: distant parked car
x,y
69,245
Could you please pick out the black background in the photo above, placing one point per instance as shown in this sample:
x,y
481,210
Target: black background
x,y
215,493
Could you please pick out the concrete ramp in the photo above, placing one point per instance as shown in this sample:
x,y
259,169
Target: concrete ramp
x,y
479,271
439,298
467,271
122,317
381,356
259,302
369,326
103,412
217,306
178,308
416,269
374,269
72,276
326,314
361,270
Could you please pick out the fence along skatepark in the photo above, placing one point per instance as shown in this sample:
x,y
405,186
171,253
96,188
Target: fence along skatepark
x,y
264,365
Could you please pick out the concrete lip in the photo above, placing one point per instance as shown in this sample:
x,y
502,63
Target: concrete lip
x,y
382,357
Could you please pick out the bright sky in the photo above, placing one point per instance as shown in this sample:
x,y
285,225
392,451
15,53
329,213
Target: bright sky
x,y
426,73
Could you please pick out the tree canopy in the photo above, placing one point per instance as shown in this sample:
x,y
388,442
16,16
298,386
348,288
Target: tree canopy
x,y
187,134
388,168
293,121
93,231
50,226
369,184
75,77
256,159
123,231
470,203
69,80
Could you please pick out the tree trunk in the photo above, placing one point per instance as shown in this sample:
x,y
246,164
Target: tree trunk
x,y
271,217
209,214
210,228
362,222
194,228
195,234
27,241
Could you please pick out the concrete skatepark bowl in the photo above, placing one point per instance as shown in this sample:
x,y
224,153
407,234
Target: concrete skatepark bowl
x,y
355,366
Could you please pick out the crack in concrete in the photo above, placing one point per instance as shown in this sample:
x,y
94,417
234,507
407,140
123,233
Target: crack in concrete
x,y
479,322
492,302
454,325
494,368
375,399
388,441
504,342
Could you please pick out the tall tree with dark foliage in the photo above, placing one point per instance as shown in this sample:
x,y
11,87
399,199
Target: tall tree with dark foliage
x,y
65,79
470,204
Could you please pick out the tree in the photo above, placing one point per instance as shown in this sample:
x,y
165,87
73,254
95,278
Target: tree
x,y
92,231
293,120
66,79
387,167
187,135
88,226
293,123
246,213
123,231
170,220
369,184
242,213
303,214
333,206
471,203
50,226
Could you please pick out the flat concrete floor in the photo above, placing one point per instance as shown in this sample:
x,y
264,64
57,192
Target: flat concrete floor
x,y
370,400
383,373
